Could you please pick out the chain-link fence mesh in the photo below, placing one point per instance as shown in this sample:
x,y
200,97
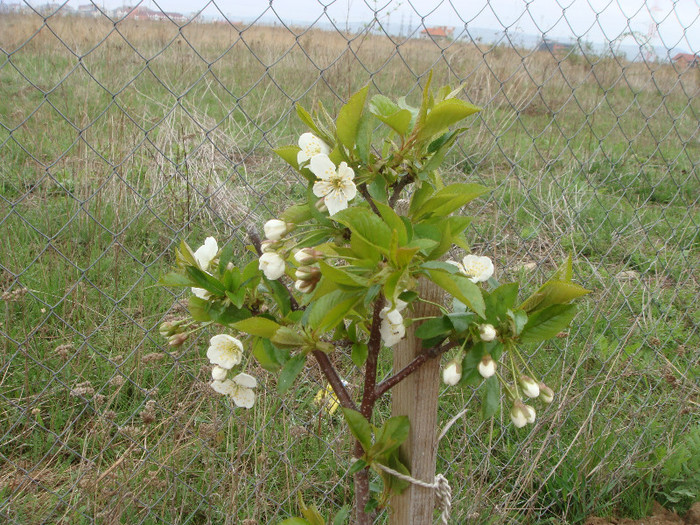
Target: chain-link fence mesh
x,y
125,130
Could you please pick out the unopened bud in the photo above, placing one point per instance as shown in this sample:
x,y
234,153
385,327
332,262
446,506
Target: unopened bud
x,y
307,273
178,339
517,414
268,246
168,328
305,286
321,205
307,256
218,373
487,366
452,373
546,393
529,386
275,229
529,414
487,332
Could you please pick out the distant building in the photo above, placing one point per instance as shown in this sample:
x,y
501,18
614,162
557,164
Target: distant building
x,y
88,10
437,32
553,47
687,60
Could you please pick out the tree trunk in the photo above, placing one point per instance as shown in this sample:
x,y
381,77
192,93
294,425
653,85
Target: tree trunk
x,y
417,397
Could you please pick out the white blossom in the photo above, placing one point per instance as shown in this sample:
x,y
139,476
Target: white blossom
x,y
240,388
272,265
305,286
487,367
311,146
477,268
487,332
452,373
307,256
275,229
206,253
530,414
392,328
225,351
336,186
218,373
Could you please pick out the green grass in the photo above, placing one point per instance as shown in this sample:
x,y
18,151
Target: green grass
x,y
603,167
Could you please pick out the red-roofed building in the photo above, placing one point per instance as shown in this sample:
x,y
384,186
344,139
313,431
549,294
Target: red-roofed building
x,y
687,60
437,32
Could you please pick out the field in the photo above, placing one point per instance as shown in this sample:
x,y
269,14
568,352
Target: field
x,y
118,141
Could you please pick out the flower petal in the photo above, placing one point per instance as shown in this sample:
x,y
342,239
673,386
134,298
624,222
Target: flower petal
x,y
345,171
335,201
245,380
322,166
322,188
243,397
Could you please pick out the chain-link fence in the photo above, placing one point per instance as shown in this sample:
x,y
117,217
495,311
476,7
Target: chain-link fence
x,y
126,129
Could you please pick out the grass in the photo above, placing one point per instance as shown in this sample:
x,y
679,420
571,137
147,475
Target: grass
x,y
156,135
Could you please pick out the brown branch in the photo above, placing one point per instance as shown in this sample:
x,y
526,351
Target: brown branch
x,y
365,193
374,345
430,353
334,379
400,185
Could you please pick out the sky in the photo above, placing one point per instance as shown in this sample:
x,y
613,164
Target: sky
x,y
673,25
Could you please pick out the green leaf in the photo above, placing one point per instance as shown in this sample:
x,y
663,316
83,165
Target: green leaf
x,y
449,199
519,320
349,116
491,397
366,225
363,140
499,301
357,466
340,276
294,521
425,102
297,214
175,279
342,516
330,309
290,372
434,327
547,323
565,271
444,114
420,196
225,313
391,114
206,281
260,326
390,436
269,357
359,427
281,296
551,293
393,220
305,117
310,512
359,354
198,309
461,321
285,337
461,288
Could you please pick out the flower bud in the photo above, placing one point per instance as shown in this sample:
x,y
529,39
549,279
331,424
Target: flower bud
x,y
529,386
517,414
529,413
168,328
178,339
487,332
307,256
321,205
546,393
487,366
268,246
307,273
218,373
305,286
275,229
452,373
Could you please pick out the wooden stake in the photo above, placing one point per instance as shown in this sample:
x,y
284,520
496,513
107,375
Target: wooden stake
x,y
417,397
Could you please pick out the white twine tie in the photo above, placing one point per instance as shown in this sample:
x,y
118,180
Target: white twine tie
x,y
440,486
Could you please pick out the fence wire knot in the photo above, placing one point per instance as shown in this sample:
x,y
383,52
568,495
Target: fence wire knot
x,y
440,485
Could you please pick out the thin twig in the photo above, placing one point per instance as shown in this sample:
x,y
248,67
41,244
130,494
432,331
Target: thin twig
x,y
374,345
430,353
400,185
365,193
334,379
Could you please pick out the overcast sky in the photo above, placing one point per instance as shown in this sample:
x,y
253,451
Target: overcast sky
x,y
597,21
